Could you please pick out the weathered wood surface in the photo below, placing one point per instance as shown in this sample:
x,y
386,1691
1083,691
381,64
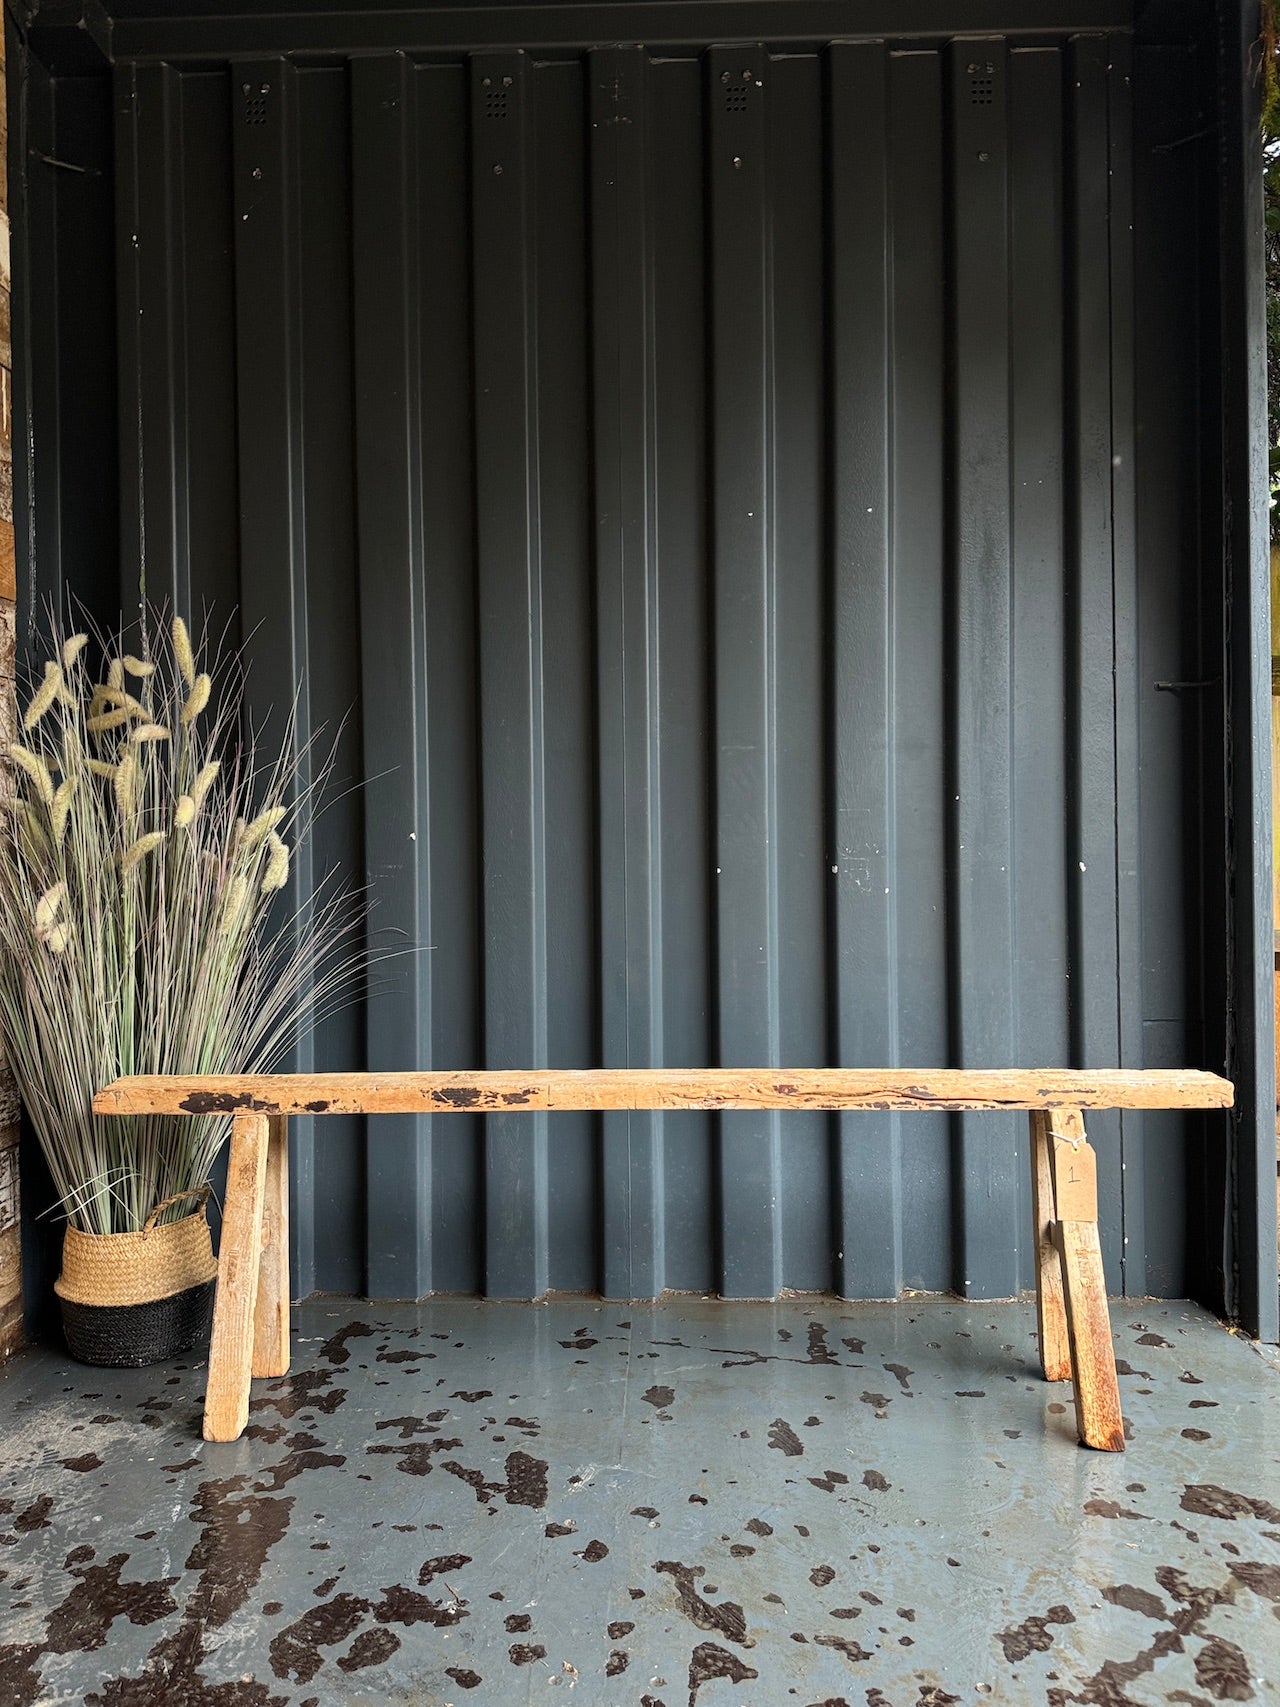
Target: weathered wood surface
x,y
1051,1309
1093,1363
271,1311
1075,1236
900,1088
226,1403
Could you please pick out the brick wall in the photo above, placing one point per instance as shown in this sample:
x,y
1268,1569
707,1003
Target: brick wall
x,y
10,1234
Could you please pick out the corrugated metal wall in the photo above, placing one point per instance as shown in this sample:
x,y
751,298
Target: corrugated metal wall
x,y
707,483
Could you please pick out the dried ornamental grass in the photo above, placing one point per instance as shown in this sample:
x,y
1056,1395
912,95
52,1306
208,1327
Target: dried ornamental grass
x,y
140,930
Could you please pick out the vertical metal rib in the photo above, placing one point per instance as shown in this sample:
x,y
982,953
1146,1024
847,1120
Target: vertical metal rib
x,y
273,579
130,216
681,473
919,467
985,1178
1133,1263
324,396
630,846
441,301
393,660
153,329
1036,368
794,192
1175,642
1091,864
206,513
863,852
745,590
511,665
556,97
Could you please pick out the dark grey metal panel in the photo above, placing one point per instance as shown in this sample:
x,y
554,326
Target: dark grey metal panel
x,y
563,428
1091,862
863,642
794,195
274,563
921,641
513,686
1172,633
389,421
985,1205
155,510
65,503
1125,643
750,629
623,274
319,163
1038,613
179,473
679,357
745,610
447,477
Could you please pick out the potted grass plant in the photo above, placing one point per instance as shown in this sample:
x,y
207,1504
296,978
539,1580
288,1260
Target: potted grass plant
x,y
141,868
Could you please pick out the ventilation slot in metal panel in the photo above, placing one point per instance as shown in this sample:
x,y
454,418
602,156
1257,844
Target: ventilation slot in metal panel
x,y
982,91
495,97
255,107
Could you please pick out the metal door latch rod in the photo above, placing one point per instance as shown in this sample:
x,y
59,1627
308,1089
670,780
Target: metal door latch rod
x,y
65,165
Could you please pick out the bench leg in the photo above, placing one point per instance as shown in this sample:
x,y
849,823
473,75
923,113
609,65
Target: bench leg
x,y
226,1404
271,1313
1051,1310
1075,1233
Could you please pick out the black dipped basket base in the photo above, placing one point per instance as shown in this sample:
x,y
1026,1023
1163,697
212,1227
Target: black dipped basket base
x,y
129,1336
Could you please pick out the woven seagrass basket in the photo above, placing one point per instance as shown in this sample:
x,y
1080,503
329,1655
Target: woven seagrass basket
x,y
130,1299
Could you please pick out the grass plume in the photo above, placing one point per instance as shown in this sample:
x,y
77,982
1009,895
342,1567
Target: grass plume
x,y
147,923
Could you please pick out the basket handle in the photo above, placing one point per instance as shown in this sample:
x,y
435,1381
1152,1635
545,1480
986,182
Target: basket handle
x,y
203,1192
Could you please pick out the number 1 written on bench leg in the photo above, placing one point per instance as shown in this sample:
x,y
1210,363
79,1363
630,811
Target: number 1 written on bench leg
x,y
1051,1309
271,1312
226,1404
1075,1183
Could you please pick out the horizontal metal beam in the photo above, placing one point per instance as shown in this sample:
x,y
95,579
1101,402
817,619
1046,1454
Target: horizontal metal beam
x,y
565,1090
208,31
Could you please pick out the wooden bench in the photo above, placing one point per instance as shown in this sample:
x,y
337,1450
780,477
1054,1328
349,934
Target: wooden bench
x,y
251,1313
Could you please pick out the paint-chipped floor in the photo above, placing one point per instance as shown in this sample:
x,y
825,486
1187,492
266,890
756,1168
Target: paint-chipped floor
x,y
692,1505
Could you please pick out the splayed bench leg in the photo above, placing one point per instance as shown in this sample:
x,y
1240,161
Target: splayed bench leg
x,y
1075,1235
271,1312
1051,1309
231,1350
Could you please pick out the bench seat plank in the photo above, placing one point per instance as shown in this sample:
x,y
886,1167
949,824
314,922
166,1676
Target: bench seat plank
x,y
898,1088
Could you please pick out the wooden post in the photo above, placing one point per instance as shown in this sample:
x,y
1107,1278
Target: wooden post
x,y
1051,1312
1075,1232
271,1313
226,1403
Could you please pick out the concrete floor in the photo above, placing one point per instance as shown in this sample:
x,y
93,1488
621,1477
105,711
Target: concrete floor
x,y
692,1505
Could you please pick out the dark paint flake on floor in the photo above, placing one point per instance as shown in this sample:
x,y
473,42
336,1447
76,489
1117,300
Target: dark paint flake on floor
x,y
698,1504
